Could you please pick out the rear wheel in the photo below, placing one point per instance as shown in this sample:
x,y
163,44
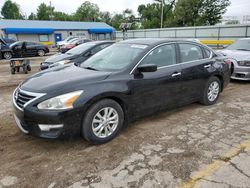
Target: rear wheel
x,y
7,55
211,91
41,52
102,121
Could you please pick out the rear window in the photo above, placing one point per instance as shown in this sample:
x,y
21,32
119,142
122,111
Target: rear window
x,y
190,52
207,53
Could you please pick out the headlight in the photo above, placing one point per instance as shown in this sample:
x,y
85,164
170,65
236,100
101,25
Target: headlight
x,y
244,63
60,102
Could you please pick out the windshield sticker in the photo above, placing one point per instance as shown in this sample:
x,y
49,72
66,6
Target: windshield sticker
x,y
139,46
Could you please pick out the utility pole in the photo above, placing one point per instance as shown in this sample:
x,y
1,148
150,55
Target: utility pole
x,y
162,6
51,11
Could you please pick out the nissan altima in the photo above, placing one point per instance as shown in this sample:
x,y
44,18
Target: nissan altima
x,y
123,82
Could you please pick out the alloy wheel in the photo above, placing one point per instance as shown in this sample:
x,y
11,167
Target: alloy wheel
x,y
213,91
7,55
41,53
105,122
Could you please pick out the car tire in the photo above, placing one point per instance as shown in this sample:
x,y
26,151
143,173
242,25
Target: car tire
x,y
102,121
7,55
41,53
211,92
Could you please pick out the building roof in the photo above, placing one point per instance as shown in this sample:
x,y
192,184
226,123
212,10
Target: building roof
x,y
56,25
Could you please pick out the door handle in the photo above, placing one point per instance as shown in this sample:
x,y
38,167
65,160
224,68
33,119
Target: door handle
x,y
207,66
176,74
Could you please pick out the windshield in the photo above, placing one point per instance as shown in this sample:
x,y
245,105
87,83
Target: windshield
x,y
240,45
15,43
114,58
80,49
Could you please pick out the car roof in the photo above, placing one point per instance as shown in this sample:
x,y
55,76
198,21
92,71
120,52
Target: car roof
x,y
100,42
155,41
244,39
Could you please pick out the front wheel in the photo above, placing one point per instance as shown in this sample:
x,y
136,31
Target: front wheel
x,y
211,91
7,55
102,121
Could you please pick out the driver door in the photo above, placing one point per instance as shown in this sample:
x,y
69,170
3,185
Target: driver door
x,y
156,91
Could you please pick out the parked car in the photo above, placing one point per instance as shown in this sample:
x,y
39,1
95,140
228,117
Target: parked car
x,y
24,49
121,83
5,51
73,44
7,41
76,55
63,42
240,53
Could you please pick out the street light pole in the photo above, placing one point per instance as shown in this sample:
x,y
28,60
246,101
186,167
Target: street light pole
x,y
162,4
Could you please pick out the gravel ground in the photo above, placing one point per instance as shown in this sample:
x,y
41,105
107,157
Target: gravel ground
x,y
192,146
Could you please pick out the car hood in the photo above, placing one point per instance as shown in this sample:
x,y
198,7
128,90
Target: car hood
x,y
62,77
60,57
238,55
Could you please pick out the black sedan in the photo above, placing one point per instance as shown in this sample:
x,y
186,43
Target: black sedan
x,y
77,55
26,49
121,83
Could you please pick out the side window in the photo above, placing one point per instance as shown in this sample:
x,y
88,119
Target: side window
x,y
98,48
190,52
104,46
29,44
161,56
207,53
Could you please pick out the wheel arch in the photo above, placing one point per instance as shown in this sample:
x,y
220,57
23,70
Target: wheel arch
x,y
117,99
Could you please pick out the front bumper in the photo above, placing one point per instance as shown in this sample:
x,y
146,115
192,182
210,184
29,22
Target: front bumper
x,y
241,73
48,124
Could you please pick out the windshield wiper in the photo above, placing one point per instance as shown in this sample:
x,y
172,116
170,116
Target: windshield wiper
x,y
91,68
243,49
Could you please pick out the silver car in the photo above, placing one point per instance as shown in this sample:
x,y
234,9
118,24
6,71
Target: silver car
x,y
240,54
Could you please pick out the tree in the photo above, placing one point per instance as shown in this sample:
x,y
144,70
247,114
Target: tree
x,y
11,10
87,12
105,17
116,21
199,12
61,16
32,16
44,12
151,14
186,12
212,11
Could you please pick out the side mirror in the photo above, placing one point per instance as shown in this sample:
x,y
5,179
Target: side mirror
x,y
147,68
88,54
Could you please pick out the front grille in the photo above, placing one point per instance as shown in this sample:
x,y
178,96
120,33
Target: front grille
x,y
22,98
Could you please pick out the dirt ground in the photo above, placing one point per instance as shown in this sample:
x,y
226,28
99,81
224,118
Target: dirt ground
x,y
192,146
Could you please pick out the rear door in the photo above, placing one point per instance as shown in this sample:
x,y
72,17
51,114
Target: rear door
x,y
155,91
196,62
31,49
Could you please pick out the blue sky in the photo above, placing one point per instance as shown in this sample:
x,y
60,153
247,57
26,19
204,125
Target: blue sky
x,y
237,8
